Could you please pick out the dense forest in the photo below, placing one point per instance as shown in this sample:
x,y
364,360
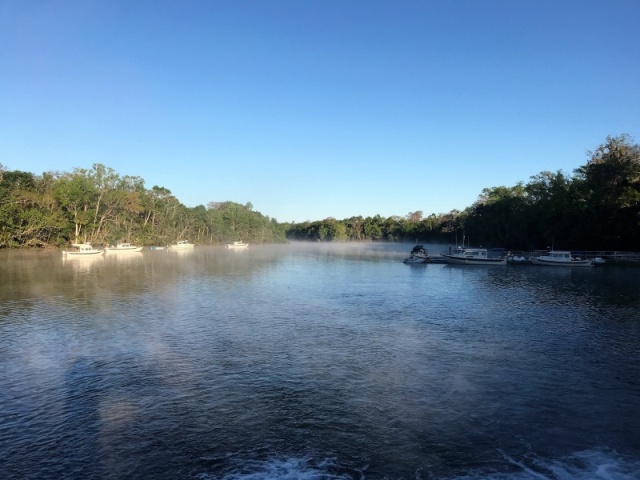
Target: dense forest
x,y
101,207
596,208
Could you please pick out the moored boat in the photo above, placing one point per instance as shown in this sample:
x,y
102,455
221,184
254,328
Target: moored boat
x,y
418,254
518,259
237,245
473,256
560,258
81,250
123,247
181,245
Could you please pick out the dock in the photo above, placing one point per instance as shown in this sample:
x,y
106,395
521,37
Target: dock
x,y
610,257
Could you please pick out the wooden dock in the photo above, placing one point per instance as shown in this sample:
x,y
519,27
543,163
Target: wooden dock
x,y
617,258
609,256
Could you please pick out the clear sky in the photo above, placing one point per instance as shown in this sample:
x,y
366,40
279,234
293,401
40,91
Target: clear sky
x,y
317,108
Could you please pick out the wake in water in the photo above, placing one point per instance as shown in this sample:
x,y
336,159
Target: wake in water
x,y
285,469
586,465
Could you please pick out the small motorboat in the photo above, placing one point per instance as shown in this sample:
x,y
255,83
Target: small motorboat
x,y
475,256
122,248
559,258
418,254
81,250
181,245
237,245
518,260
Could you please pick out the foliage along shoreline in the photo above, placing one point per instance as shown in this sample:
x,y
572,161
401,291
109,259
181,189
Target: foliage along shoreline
x,y
596,208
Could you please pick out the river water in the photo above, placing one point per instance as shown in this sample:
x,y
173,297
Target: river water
x,y
315,362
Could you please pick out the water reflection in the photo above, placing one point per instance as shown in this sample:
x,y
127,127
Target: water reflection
x,y
181,253
608,285
165,364
124,257
82,264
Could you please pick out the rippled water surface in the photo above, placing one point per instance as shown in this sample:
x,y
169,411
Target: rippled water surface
x,y
315,362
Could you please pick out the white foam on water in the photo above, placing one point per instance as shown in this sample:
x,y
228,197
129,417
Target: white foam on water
x,y
586,465
283,469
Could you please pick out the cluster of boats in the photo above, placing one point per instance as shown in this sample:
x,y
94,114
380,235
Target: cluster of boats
x,y
418,255
88,250
497,256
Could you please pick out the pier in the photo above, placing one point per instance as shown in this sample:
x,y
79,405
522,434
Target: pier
x,y
609,256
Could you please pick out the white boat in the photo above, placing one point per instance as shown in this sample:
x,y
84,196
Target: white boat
x,y
181,245
123,247
418,254
473,256
559,258
81,250
518,260
237,245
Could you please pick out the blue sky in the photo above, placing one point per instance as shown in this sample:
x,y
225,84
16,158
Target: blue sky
x,y
317,108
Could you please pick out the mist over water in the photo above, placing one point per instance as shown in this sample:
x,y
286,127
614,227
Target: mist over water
x,y
313,361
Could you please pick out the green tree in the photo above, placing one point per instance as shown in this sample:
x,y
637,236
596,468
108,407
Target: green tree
x,y
373,227
497,217
553,212
609,185
73,192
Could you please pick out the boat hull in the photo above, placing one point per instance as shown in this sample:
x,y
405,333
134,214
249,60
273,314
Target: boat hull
x,y
455,260
124,250
416,259
74,254
237,245
82,250
82,254
556,263
182,245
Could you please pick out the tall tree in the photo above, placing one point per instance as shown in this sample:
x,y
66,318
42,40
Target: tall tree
x,y
73,193
610,188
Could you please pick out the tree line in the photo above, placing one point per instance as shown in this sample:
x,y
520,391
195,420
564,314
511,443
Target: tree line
x,y
596,208
100,206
